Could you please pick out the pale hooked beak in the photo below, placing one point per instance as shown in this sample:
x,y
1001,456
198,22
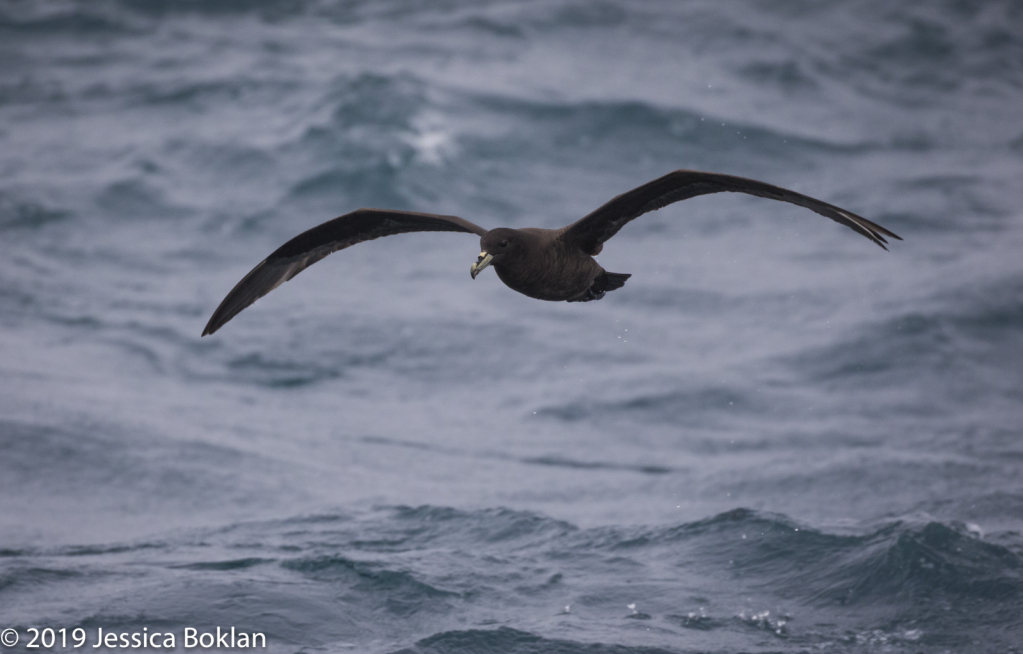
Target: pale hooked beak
x,y
480,264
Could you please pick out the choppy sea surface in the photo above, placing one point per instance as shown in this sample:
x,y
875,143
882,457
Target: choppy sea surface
x,y
776,437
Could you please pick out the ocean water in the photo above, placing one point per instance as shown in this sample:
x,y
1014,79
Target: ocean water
x,y
776,437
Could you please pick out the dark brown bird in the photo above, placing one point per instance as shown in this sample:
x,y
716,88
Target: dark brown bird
x,y
546,264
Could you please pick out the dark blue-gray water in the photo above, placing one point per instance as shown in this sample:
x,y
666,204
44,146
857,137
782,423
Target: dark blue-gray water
x,y
776,437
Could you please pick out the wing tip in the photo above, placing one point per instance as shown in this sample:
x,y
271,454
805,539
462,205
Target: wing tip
x,y
228,309
871,230
215,323
877,230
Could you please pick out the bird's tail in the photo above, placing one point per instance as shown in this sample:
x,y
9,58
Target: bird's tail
x,y
601,285
615,280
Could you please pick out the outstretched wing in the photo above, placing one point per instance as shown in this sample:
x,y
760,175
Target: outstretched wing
x,y
590,232
310,246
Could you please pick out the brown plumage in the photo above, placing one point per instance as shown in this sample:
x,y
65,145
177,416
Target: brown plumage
x,y
546,264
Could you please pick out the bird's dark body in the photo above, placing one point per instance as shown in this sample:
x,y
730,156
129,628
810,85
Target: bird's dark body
x,y
547,264
552,269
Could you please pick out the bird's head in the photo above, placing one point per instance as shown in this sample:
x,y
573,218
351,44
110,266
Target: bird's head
x,y
497,246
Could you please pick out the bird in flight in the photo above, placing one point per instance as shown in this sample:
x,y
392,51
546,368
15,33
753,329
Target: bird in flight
x,y
546,264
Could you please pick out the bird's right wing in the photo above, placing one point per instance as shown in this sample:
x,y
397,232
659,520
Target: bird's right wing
x,y
310,246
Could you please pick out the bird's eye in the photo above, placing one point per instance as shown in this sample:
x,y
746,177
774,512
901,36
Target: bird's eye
x,y
504,244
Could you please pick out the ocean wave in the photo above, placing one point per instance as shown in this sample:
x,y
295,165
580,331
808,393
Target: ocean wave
x,y
24,213
230,564
674,407
122,17
368,576
981,320
922,563
645,131
491,526
262,371
432,564
59,17
514,641
137,199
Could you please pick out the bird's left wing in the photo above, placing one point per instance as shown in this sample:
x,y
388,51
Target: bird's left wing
x,y
310,246
590,232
